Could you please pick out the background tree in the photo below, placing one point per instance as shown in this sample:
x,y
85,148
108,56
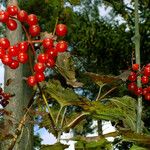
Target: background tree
x,y
22,94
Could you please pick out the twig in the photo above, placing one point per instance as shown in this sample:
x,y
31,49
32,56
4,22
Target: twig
x,y
107,93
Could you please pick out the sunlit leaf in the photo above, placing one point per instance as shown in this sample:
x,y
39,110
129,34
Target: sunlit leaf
x,y
57,146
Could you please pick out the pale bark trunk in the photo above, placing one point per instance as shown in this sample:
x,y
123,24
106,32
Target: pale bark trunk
x,y
22,93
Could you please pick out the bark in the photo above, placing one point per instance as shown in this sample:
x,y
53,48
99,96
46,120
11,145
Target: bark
x,y
22,93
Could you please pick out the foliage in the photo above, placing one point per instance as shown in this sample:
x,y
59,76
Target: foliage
x,y
95,43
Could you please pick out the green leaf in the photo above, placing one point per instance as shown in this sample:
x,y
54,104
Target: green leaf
x,y
135,147
65,66
128,106
57,146
93,145
63,96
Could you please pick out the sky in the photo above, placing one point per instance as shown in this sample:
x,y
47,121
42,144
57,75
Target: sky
x,y
49,138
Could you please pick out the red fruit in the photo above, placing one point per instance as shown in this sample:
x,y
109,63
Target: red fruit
x,y
132,78
145,91
23,46
147,71
12,10
144,79
4,43
39,77
32,19
147,96
61,46
6,60
138,91
14,64
31,81
50,63
132,86
34,30
48,43
2,52
22,16
52,53
13,51
11,24
42,58
135,67
148,88
39,67
22,57
61,29
4,16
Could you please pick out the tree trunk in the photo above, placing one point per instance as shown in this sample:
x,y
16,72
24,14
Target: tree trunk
x,y
22,93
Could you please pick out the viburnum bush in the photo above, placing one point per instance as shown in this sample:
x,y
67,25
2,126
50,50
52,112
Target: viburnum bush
x,y
14,55
67,109
144,75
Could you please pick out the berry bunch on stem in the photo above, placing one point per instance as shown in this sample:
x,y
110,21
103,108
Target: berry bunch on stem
x,y
4,98
145,80
14,55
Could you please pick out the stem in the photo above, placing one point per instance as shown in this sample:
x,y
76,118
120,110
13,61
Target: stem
x,y
137,55
38,85
61,125
55,26
29,39
58,115
107,93
49,110
99,92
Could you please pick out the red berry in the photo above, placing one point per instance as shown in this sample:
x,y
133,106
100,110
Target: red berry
x,y
2,52
148,88
4,16
39,77
12,10
61,46
22,16
39,67
147,96
47,43
23,46
147,71
132,86
61,29
50,63
144,79
135,67
138,91
145,91
31,81
14,64
6,60
132,78
13,51
52,53
11,24
32,19
22,57
42,58
34,30
4,43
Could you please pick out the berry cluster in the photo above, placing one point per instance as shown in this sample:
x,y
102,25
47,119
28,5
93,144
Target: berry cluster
x,y
4,98
12,55
132,78
46,59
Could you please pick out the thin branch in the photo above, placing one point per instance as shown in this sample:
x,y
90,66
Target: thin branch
x,y
108,92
